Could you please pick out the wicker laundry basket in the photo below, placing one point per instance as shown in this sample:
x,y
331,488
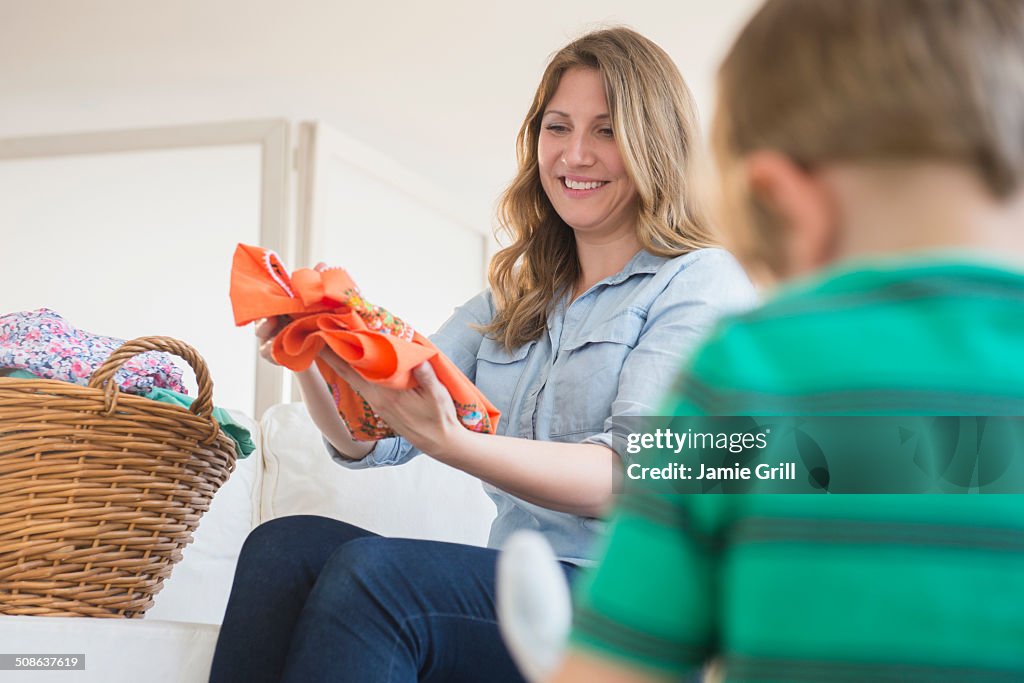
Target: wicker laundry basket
x,y
101,490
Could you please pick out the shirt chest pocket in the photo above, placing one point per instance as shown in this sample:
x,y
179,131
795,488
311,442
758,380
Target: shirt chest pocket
x,y
498,374
587,373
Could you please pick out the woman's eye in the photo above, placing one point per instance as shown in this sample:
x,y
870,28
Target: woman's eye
x,y
557,128
606,132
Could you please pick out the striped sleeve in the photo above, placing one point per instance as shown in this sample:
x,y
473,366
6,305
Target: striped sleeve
x,y
650,600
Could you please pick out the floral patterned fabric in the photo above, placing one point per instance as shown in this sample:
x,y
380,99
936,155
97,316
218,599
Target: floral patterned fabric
x,y
326,309
45,344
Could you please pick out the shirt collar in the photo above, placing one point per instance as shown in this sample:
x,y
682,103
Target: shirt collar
x,y
642,262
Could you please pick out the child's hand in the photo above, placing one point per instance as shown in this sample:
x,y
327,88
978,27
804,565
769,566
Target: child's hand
x,y
265,333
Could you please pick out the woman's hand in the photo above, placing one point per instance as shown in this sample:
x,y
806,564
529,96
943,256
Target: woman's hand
x,y
265,333
423,415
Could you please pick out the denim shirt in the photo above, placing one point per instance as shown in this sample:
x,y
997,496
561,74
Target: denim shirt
x,y
614,351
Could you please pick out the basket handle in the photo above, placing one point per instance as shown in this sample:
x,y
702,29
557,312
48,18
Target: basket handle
x,y
203,404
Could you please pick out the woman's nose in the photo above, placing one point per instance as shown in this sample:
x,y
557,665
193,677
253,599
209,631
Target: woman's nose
x,y
578,151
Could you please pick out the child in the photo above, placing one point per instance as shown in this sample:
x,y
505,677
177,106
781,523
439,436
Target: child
x,y
874,149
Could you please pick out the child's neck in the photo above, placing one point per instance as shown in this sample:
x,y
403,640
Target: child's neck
x,y
900,208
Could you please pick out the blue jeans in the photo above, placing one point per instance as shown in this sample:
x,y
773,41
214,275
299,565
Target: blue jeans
x,y
315,599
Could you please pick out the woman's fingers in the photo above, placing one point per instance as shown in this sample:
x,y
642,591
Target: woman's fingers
x,y
344,370
266,330
427,379
267,351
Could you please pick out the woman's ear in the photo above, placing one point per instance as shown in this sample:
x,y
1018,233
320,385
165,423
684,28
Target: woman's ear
x,y
802,206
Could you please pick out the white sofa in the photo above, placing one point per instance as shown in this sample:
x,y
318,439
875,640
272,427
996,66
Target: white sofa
x,y
289,474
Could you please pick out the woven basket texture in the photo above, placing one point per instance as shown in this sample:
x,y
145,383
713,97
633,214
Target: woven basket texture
x,y
100,490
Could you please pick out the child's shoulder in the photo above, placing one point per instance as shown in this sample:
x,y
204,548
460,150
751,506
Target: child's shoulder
x,y
844,295
925,326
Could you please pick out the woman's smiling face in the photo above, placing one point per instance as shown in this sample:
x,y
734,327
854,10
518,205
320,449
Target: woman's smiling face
x,y
581,168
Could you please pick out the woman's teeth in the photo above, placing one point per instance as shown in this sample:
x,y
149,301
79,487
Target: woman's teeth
x,y
574,185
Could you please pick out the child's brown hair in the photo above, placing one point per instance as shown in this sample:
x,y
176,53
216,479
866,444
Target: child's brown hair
x,y
871,80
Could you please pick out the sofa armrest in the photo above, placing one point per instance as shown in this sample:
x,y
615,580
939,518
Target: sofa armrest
x,y
116,650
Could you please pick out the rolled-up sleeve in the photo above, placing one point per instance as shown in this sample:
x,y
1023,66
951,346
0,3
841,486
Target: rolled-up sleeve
x,y
691,300
458,339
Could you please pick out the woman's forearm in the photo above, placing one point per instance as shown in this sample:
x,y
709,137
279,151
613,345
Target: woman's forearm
x,y
324,413
568,477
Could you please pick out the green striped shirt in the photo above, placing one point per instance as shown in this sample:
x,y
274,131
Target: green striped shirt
x,y
833,588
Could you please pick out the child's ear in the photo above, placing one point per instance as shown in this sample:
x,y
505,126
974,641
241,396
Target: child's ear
x,y
802,207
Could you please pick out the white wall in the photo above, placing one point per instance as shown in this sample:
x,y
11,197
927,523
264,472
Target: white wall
x,y
441,86
386,241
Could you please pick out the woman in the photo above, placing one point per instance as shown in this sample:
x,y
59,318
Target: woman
x,y
608,281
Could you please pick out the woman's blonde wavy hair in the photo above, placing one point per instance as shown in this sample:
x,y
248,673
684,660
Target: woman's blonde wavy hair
x,y
655,125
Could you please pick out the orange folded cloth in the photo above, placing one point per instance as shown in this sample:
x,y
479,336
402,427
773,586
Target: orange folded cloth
x,y
326,308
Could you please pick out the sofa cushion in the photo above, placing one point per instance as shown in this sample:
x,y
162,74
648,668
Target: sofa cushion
x,y
420,499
